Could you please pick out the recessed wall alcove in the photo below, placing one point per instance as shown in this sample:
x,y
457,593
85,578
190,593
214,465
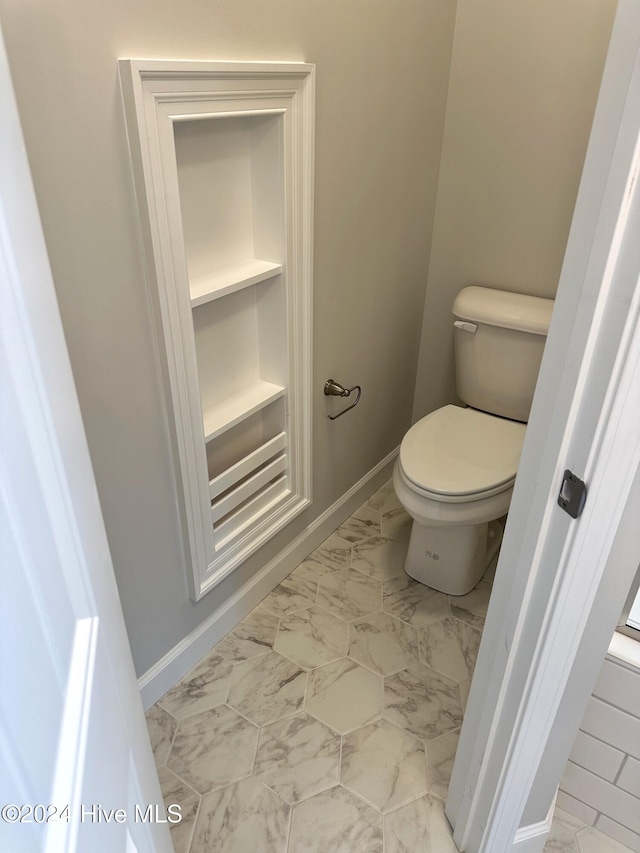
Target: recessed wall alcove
x,y
223,162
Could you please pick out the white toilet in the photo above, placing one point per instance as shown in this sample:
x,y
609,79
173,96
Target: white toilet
x,y
457,466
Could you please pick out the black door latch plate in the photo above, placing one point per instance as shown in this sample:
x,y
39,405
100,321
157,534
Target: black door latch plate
x,y
573,494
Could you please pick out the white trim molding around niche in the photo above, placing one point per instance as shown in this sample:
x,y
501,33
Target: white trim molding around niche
x,y
222,156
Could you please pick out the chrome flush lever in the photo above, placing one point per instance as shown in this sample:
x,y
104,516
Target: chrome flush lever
x,y
335,389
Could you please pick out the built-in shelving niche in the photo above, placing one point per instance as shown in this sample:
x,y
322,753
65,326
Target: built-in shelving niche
x,y
223,164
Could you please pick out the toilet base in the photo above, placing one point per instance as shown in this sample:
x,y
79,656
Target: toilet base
x,y
452,559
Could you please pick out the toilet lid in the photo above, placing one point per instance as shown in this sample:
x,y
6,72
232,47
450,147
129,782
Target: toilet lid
x,y
458,452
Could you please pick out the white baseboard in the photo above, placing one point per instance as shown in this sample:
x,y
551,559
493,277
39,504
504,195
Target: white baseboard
x,y
531,839
186,654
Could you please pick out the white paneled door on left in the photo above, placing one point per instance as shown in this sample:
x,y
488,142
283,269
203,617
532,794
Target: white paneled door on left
x,y
76,769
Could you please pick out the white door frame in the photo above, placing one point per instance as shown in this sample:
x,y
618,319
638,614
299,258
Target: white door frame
x,y
561,583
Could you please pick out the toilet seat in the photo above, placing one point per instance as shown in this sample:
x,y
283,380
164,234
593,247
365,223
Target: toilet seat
x,y
457,455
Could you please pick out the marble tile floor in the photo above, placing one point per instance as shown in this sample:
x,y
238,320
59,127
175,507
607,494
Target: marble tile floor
x,y
328,719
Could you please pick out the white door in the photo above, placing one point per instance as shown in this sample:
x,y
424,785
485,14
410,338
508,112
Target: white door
x,y
76,769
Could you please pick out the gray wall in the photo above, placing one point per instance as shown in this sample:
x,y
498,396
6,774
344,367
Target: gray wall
x,y
522,93
382,75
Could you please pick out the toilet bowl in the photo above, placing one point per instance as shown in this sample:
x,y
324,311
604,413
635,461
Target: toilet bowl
x,y
454,475
457,466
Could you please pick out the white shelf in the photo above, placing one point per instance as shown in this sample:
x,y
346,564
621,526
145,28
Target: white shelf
x,y
237,407
248,489
213,285
250,463
244,518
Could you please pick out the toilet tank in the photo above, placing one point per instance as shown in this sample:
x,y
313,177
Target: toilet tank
x,y
499,340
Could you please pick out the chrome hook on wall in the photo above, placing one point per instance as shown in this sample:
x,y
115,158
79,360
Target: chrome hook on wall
x,y
335,389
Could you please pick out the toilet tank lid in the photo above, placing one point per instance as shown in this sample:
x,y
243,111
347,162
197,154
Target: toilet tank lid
x,y
501,308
